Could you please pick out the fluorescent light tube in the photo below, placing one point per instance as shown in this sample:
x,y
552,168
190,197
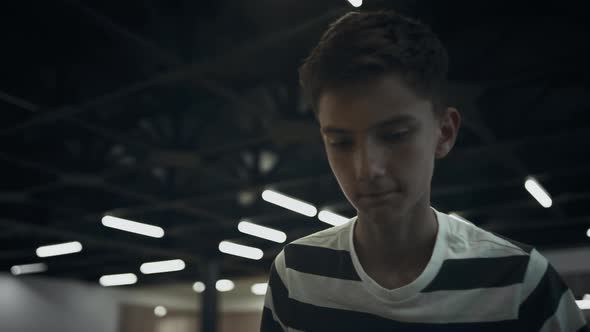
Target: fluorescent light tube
x,y
356,3
59,249
240,250
538,192
224,285
199,287
132,226
259,289
262,232
289,203
583,304
162,266
118,279
28,269
160,311
332,218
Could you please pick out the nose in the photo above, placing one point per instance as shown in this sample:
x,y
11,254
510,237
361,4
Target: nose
x,y
369,161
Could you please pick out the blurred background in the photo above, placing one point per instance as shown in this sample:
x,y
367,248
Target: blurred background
x,y
181,114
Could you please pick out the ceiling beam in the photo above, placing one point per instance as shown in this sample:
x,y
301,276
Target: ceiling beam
x,y
182,72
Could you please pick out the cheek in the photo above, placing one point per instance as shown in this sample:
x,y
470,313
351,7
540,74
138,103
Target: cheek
x,y
413,166
338,165
341,167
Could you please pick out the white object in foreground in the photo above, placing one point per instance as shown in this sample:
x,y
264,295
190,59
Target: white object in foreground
x,y
59,249
118,279
162,266
133,226
289,203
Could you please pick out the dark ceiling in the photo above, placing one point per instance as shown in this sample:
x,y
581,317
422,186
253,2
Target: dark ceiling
x,y
158,111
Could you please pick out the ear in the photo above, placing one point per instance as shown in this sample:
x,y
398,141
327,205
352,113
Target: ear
x,y
449,123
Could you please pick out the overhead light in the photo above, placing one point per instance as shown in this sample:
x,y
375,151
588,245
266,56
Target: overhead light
x,y
259,289
267,160
224,285
262,232
118,279
240,250
162,266
199,287
289,203
356,3
247,197
588,232
332,218
59,249
160,311
132,226
583,304
538,192
28,269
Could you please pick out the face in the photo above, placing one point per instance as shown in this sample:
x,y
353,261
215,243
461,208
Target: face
x,y
381,141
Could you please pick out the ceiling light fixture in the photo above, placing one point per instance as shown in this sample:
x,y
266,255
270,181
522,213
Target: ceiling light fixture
x,y
133,226
240,250
263,232
289,203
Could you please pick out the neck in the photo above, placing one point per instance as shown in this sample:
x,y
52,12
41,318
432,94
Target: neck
x,y
385,241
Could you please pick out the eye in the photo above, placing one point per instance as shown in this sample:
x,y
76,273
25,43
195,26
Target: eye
x,y
395,136
340,144
338,141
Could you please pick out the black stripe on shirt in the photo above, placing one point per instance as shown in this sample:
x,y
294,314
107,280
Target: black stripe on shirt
x,y
280,295
308,317
320,261
543,301
469,273
267,323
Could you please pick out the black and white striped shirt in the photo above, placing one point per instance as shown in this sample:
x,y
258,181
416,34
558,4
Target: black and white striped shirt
x,y
474,281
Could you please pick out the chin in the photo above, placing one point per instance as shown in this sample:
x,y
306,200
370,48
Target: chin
x,y
382,206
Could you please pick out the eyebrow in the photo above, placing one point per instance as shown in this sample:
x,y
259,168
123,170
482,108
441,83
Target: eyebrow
x,y
394,121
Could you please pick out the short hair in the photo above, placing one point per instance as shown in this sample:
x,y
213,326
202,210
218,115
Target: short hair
x,y
360,46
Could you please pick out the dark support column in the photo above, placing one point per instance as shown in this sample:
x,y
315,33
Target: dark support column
x,y
209,305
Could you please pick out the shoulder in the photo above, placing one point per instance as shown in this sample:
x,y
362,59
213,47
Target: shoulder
x,y
334,237
466,240
316,252
465,236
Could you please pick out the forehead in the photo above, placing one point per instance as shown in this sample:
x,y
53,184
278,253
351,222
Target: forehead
x,y
365,105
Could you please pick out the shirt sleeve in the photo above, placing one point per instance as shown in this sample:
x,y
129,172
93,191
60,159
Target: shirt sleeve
x,y
274,305
548,305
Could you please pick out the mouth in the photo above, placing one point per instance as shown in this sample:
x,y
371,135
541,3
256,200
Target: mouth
x,y
377,195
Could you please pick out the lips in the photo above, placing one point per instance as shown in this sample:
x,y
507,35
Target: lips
x,y
376,194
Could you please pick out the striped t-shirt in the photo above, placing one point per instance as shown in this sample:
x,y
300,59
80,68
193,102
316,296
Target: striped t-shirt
x,y
474,281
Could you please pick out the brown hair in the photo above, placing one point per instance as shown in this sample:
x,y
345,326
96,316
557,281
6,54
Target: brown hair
x,y
366,45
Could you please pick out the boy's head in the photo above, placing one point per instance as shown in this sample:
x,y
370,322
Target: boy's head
x,y
376,83
362,46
